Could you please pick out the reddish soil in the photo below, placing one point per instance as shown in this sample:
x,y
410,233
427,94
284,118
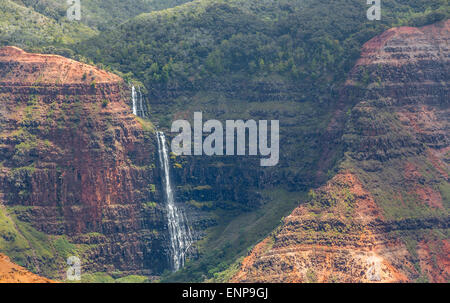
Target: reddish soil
x,y
13,273
22,67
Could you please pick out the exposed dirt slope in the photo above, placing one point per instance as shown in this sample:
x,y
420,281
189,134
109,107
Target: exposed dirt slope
x,y
13,273
21,67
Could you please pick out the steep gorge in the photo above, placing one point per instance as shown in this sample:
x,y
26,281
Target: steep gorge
x,y
78,172
385,216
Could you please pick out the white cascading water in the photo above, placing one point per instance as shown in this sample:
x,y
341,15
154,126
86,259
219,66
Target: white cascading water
x,y
134,98
180,236
141,103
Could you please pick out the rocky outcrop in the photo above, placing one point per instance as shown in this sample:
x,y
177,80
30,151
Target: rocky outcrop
x,y
385,216
77,165
336,238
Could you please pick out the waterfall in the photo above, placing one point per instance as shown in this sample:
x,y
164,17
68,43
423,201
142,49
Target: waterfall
x,y
138,107
133,97
180,236
141,103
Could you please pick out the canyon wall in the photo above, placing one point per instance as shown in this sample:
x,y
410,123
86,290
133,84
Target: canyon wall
x,y
78,171
385,216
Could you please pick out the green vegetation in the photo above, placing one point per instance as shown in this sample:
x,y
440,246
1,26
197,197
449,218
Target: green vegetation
x,y
311,276
147,126
233,59
133,279
444,189
152,188
100,277
205,205
204,41
384,174
150,204
38,252
100,14
234,236
225,275
23,26
42,26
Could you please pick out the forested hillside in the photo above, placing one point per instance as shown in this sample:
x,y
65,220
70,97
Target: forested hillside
x,y
100,14
238,59
39,23
24,26
283,60
300,40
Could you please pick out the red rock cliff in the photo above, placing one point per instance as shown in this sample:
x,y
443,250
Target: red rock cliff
x,y
385,216
76,162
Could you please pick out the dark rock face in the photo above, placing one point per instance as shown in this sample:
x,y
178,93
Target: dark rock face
x,y
75,162
406,73
385,215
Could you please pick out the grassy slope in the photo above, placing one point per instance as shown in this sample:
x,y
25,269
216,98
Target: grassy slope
x,y
28,247
235,235
23,26
43,23
100,14
43,254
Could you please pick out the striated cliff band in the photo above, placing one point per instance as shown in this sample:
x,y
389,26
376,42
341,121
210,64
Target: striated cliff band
x,y
77,170
78,175
385,216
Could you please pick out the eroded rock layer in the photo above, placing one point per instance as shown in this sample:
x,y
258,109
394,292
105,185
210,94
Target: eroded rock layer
x,y
77,170
385,216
